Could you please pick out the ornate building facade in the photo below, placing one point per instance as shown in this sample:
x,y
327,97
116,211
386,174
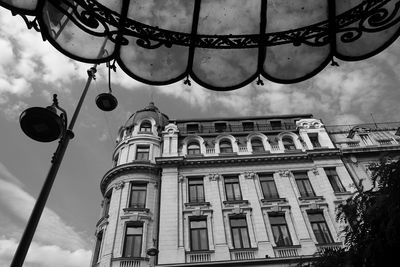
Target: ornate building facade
x,y
250,191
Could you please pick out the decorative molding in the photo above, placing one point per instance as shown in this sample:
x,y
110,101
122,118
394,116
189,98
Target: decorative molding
x,y
249,175
315,171
309,124
119,185
214,176
284,173
181,178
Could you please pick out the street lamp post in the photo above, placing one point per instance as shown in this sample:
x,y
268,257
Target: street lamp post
x,y
41,125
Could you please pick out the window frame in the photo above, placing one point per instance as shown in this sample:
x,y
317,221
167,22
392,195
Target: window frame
x,y
142,153
334,180
248,126
267,179
230,182
137,224
147,129
280,226
222,147
284,143
140,187
304,180
98,247
220,127
190,150
192,128
196,182
276,125
198,231
314,140
260,145
324,235
240,232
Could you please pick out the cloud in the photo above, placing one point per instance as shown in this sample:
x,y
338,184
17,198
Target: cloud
x,y
12,111
51,229
44,256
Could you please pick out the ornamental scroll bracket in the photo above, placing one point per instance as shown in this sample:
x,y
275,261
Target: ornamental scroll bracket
x,y
284,173
249,175
181,178
119,185
214,176
315,171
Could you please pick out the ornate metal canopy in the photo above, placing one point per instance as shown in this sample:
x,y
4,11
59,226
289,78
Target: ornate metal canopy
x,y
220,44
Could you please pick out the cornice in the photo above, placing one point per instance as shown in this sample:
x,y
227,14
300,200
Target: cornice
x,y
370,149
130,167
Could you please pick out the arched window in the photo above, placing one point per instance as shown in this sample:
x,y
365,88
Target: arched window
x,y
288,143
225,146
193,148
257,145
145,127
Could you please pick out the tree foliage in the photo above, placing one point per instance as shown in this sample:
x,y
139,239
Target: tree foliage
x,y
372,224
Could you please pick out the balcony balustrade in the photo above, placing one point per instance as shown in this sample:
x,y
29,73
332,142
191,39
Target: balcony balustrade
x,y
203,256
240,255
286,252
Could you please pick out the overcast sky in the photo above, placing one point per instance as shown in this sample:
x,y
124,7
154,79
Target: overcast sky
x,y
31,71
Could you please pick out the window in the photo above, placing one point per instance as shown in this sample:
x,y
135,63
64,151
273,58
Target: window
x,y
248,126
142,153
198,234
225,146
145,127
232,189
288,143
116,159
334,180
138,196
106,205
268,187
257,145
133,240
280,230
196,190
240,235
193,148
220,127
96,254
276,125
320,228
192,128
304,185
314,140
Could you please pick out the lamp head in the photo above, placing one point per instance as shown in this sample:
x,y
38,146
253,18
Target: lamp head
x,y
41,124
152,251
106,102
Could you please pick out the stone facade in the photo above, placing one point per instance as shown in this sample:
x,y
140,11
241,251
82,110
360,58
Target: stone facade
x,y
259,191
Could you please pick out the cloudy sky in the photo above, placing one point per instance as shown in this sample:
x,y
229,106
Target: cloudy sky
x,y
31,71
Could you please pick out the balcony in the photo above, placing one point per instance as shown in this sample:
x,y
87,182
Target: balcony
x,y
198,256
130,262
286,252
332,246
243,254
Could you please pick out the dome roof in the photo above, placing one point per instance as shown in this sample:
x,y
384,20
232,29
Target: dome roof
x,y
151,111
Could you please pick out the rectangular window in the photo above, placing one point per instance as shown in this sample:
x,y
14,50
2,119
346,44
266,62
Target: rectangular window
x,y
142,153
198,234
138,196
276,125
314,140
280,230
220,127
196,190
96,253
133,241
320,228
334,179
232,189
240,234
248,126
304,185
268,186
106,205
116,160
192,128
